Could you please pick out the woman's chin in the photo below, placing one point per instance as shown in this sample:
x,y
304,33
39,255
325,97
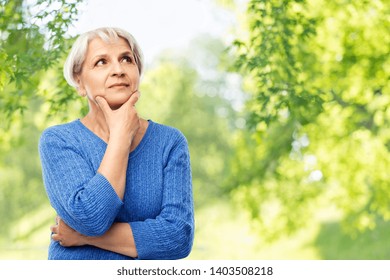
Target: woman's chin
x,y
116,103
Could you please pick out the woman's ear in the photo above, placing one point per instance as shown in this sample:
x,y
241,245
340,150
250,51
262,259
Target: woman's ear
x,y
80,87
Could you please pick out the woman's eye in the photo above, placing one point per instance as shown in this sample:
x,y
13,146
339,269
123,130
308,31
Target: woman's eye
x,y
127,59
100,62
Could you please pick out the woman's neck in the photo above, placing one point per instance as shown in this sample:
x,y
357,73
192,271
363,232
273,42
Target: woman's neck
x,y
96,122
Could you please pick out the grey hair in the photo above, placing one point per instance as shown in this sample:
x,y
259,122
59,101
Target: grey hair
x,y
74,61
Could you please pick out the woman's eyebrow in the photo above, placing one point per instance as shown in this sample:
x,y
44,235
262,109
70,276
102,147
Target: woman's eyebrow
x,y
98,56
129,53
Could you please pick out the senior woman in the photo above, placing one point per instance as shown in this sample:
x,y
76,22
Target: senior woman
x,y
120,185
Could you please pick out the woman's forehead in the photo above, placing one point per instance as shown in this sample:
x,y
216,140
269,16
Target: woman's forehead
x,y
98,45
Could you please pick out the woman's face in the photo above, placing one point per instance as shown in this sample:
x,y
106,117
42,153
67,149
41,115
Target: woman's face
x,y
110,71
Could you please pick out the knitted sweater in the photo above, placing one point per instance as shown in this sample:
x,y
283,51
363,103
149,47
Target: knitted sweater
x,y
157,203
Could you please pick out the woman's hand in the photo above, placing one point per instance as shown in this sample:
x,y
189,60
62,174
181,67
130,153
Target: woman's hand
x,y
123,124
124,121
66,235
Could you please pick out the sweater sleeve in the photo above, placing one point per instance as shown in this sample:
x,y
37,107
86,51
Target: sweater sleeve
x,y
170,234
83,198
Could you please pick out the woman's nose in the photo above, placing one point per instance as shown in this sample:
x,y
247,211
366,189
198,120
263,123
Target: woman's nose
x,y
117,69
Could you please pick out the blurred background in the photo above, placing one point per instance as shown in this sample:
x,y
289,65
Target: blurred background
x,y
285,105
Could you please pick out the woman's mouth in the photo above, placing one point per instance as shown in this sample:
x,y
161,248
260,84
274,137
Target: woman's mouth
x,y
118,85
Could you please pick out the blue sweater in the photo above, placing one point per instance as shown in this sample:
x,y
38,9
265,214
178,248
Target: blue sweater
x,y
157,203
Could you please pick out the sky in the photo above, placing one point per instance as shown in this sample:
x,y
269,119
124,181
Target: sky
x,y
156,24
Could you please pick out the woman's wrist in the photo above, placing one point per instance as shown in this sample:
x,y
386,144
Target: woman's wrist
x,y
88,240
121,141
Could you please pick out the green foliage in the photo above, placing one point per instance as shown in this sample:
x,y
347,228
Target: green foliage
x,y
21,189
334,244
318,114
32,41
276,55
32,45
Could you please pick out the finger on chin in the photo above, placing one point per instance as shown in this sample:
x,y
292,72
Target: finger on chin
x,y
133,99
